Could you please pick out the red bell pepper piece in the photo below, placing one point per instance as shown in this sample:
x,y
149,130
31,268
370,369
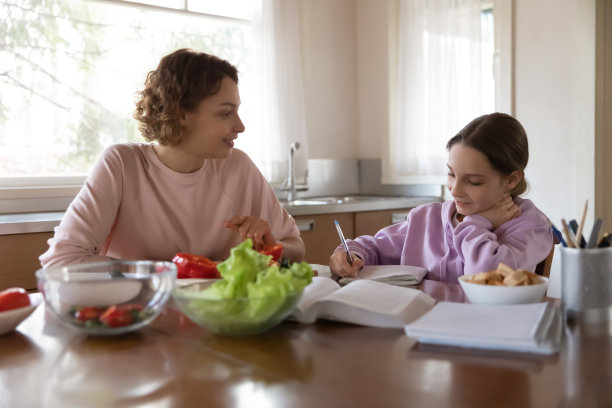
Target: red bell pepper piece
x,y
195,266
275,250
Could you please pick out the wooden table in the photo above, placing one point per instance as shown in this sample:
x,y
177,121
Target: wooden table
x,y
173,363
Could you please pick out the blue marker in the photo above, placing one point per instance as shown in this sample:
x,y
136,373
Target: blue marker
x,y
558,234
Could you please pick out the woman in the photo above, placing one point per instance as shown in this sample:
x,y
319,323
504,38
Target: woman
x,y
188,190
484,224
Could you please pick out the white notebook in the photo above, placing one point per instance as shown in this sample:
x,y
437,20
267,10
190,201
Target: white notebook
x,y
533,328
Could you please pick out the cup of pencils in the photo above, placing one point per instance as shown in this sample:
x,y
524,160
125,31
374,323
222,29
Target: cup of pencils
x,y
586,273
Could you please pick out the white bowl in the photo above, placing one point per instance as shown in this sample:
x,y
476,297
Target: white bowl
x,y
10,319
503,295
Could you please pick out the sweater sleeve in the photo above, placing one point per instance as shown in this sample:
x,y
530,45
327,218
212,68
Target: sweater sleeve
x,y
88,220
519,243
384,248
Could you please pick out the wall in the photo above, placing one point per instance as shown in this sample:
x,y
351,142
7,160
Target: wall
x,y
329,49
555,89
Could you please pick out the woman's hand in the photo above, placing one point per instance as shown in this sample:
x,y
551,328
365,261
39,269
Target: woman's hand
x,y
339,266
251,226
502,211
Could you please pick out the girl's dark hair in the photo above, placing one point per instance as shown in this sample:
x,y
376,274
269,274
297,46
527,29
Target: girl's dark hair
x,y
502,139
180,82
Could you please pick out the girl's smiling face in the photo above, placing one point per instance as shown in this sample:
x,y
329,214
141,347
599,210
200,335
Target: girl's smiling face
x,y
473,182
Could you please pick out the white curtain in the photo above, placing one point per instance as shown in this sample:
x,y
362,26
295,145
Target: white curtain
x,y
274,117
439,86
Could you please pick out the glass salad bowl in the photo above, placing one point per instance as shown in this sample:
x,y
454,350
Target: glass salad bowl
x,y
107,298
233,316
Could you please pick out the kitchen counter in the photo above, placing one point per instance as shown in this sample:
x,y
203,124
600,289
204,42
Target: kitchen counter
x,y
45,222
354,203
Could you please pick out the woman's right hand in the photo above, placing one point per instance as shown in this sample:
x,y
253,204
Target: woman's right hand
x,y
502,211
339,266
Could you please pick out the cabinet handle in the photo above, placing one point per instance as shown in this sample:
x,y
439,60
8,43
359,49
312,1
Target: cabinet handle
x,y
398,217
305,225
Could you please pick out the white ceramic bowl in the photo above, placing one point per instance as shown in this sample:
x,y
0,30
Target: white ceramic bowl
x,y
503,295
139,289
10,319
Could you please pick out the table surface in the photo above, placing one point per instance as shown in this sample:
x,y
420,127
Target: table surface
x,y
173,363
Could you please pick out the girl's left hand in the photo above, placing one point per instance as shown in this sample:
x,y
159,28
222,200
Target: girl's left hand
x,y
502,211
251,226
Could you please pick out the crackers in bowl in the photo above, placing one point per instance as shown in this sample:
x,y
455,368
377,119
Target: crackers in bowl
x,y
504,276
504,286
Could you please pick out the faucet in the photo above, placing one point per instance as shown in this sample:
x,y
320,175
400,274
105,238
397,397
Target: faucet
x,y
290,185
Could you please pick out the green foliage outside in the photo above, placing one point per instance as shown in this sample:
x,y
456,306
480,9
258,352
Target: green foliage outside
x,y
58,55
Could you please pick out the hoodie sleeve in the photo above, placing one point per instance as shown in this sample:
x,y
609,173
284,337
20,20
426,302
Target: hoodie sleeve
x,y
520,243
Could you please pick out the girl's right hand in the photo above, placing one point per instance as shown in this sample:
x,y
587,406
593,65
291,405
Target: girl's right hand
x,y
502,211
340,267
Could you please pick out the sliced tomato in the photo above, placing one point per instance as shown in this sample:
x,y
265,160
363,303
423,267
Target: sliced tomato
x,y
195,266
116,317
13,298
89,313
275,250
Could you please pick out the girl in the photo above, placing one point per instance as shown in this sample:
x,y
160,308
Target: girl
x,y
188,190
484,224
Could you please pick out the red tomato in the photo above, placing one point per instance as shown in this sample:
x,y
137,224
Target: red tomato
x,y
13,298
195,266
115,317
89,313
275,250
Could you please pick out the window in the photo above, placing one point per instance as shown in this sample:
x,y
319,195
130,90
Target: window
x,y
447,73
69,71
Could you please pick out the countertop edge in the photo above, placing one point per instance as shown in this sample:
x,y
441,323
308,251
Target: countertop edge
x,y
46,221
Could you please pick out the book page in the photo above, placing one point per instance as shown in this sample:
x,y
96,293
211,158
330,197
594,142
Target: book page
x,y
371,303
403,275
319,288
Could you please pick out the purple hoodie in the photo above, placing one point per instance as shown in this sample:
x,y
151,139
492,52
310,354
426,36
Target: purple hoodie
x,y
428,238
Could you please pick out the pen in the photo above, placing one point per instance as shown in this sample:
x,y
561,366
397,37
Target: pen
x,y
341,235
559,236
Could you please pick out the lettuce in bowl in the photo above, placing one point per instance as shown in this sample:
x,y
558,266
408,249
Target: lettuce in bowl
x,y
251,297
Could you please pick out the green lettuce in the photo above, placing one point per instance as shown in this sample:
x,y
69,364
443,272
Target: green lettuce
x,y
251,294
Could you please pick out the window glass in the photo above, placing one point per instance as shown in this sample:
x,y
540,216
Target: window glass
x,y
231,8
69,71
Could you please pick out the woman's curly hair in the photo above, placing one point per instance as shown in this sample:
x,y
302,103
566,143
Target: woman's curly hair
x,y
180,82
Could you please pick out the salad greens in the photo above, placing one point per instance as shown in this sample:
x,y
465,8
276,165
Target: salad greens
x,y
251,292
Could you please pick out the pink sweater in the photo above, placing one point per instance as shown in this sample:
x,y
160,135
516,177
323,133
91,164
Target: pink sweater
x,y
134,207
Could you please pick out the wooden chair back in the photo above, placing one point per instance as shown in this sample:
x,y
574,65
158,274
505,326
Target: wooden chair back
x,y
543,268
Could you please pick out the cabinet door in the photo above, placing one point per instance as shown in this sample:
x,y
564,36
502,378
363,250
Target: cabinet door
x,y
19,254
320,236
370,222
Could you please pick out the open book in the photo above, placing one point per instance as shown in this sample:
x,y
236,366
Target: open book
x,y
399,275
531,327
363,302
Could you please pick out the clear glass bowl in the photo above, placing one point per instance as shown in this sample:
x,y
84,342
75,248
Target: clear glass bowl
x,y
107,298
233,317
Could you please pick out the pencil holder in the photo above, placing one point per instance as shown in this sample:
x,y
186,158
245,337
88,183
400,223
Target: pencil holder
x,y
586,284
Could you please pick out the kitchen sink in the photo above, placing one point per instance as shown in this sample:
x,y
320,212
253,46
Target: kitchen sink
x,y
328,200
